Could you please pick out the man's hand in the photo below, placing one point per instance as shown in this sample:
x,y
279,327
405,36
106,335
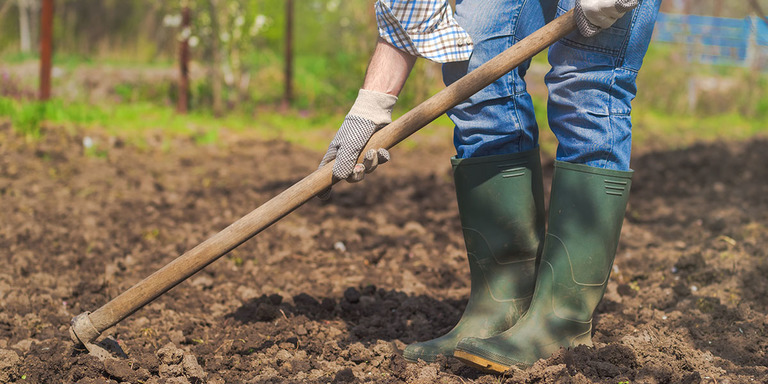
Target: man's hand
x,y
372,110
592,16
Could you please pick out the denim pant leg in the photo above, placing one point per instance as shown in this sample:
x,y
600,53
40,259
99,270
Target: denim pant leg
x,y
591,87
499,119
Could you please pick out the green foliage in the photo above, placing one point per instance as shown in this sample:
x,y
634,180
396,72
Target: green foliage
x,y
96,152
124,91
133,122
59,112
669,84
207,137
7,106
18,57
26,119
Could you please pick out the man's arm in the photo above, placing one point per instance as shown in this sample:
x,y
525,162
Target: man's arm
x,y
388,69
387,72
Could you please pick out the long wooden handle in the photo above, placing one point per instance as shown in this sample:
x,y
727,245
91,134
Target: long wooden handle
x,y
86,327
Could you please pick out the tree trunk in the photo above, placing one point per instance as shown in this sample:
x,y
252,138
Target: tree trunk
x,y
183,103
33,10
215,71
6,6
25,33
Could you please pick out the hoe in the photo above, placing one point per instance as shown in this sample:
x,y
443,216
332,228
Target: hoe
x,y
88,326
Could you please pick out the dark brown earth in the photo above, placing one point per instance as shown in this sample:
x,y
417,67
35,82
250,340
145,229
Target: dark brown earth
x,y
335,291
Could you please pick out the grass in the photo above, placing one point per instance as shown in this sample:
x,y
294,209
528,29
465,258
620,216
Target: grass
x,y
133,122
657,129
69,60
654,129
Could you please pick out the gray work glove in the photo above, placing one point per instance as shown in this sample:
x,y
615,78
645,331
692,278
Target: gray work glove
x,y
592,16
372,111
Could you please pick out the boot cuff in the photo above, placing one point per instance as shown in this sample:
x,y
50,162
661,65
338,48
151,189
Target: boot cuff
x,y
593,170
532,154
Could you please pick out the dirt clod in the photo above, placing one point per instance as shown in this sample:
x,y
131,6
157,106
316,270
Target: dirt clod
x,y
9,362
344,376
193,370
170,355
352,295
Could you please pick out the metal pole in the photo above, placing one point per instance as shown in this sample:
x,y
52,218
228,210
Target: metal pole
x,y
46,49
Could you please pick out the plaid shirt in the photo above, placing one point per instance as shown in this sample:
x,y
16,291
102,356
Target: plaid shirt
x,y
423,28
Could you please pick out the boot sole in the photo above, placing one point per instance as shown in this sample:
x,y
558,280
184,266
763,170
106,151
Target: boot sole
x,y
479,362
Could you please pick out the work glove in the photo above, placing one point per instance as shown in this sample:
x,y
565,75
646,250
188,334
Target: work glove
x,y
372,111
592,16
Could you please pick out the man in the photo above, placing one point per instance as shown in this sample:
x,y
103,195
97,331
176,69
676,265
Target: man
x,y
531,293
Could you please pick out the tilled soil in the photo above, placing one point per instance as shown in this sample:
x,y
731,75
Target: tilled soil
x,y
334,292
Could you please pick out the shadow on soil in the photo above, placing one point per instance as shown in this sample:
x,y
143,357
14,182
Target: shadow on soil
x,y
369,314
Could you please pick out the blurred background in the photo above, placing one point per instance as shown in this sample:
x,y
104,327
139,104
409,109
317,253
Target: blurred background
x,y
292,68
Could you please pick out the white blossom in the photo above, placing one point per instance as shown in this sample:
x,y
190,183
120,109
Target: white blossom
x,y
260,22
172,21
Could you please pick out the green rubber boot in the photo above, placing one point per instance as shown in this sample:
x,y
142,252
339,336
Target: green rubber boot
x,y
585,217
501,205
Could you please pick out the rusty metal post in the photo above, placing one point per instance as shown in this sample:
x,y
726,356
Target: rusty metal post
x,y
46,49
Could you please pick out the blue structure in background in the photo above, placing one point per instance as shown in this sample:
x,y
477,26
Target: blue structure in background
x,y
716,40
